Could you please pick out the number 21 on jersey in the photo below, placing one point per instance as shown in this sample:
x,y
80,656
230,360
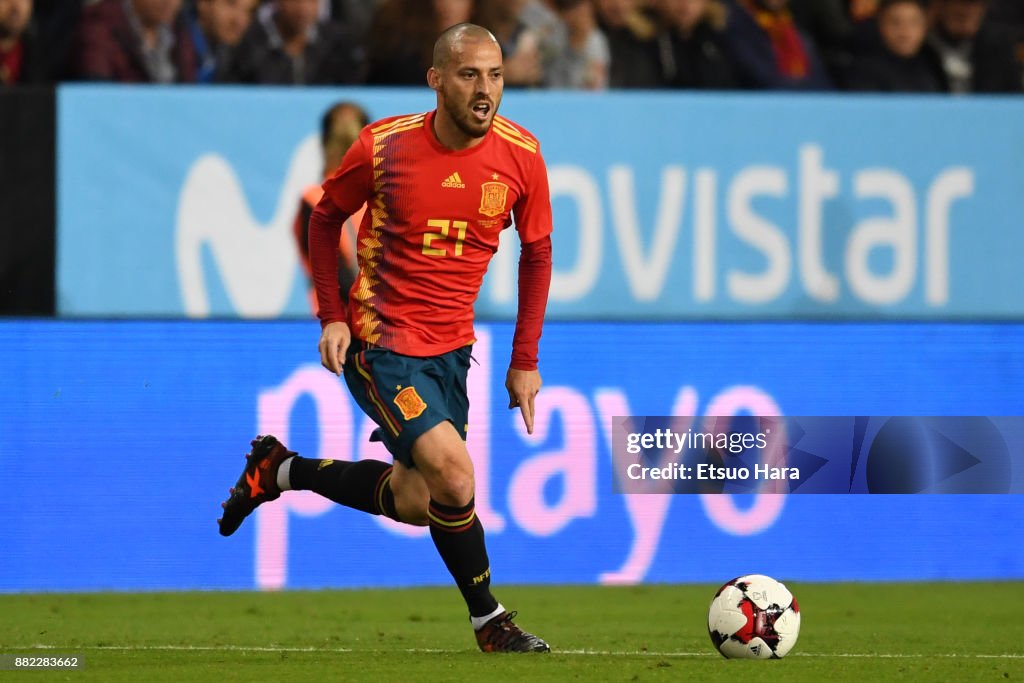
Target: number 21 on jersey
x,y
448,231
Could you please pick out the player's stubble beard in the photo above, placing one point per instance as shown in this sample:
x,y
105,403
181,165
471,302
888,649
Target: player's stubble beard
x,y
463,116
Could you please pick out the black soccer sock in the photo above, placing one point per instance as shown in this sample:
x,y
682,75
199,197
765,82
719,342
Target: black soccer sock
x,y
364,485
459,538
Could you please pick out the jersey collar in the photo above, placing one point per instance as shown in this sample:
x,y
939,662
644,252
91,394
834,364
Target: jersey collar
x,y
428,130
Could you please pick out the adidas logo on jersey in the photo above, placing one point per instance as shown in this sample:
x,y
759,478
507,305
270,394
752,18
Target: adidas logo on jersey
x,y
454,180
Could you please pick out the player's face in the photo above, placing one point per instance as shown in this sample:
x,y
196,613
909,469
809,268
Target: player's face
x,y
471,84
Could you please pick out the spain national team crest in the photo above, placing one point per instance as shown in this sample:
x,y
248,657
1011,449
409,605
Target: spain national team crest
x,y
409,402
492,198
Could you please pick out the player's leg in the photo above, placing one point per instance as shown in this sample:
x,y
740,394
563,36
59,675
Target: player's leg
x,y
371,486
441,457
365,485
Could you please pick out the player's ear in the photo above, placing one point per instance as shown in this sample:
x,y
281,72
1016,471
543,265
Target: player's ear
x,y
434,78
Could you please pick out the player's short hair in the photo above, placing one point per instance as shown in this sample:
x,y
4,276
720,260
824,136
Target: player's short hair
x,y
445,44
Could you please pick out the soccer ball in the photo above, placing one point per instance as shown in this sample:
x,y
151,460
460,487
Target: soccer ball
x,y
754,617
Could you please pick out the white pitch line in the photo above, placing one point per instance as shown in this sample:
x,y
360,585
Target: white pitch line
x,y
425,650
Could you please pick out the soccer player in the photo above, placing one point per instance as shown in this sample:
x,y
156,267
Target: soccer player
x,y
440,188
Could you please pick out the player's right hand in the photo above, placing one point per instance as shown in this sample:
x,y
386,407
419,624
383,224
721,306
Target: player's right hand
x,y
334,341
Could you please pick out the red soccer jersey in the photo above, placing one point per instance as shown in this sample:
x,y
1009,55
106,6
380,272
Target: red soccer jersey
x,y
432,225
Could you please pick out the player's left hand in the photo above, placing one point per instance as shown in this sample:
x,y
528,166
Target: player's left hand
x,y
334,341
523,386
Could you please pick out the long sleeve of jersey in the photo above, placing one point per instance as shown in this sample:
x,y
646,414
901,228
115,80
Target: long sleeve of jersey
x,y
324,230
534,282
345,192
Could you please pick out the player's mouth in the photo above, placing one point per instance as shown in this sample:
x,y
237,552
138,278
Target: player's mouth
x,y
481,110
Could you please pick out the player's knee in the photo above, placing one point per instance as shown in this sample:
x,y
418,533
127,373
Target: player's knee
x,y
453,487
444,462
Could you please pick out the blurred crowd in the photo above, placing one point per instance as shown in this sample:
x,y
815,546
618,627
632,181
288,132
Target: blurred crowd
x,y
957,46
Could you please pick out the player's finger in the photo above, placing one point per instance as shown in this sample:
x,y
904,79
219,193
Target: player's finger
x,y
342,352
330,357
335,358
324,354
328,354
526,408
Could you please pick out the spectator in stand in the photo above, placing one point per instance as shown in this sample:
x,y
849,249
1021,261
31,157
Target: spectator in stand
x,y
633,50
339,129
520,44
542,17
133,41
690,45
287,44
976,56
827,21
355,14
837,32
21,54
1010,14
217,28
903,62
54,23
862,10
447,13
402,34
769,51
582,64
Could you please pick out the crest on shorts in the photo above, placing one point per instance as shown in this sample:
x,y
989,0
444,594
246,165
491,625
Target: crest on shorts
x,y
409,402
492,198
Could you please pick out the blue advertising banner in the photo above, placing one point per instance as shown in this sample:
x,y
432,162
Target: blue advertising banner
x,y
179,202
120,439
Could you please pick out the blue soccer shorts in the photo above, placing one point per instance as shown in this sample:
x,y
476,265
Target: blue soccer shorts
x,y
407,395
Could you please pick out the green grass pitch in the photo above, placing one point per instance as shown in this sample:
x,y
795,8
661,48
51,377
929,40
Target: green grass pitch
x,y
850,632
